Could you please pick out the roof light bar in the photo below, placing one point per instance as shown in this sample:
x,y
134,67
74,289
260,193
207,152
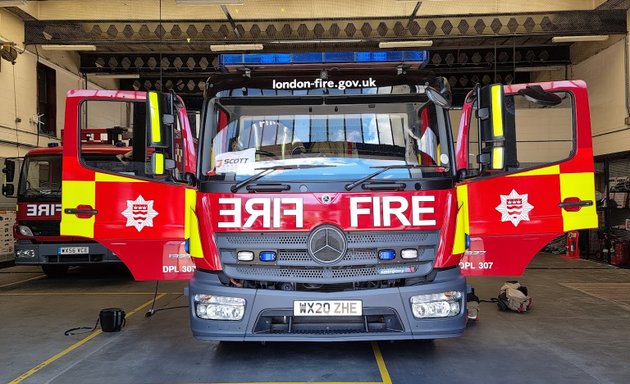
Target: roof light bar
x,y
323,58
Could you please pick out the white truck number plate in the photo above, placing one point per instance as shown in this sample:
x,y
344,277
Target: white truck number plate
x,y
327,308
73,250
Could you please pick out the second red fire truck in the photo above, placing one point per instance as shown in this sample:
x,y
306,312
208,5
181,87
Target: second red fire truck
x,y
333,202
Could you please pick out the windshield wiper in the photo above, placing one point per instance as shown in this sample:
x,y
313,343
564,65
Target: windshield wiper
x,y
385,168
267,170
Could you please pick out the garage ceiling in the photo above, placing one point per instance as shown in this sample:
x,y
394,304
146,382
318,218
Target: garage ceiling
x,y
167,41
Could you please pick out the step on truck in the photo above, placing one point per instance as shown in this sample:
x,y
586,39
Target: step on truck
x,y
105,143
334,200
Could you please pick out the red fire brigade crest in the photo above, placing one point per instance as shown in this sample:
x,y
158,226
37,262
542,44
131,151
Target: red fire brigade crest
x,y
514,208
139,213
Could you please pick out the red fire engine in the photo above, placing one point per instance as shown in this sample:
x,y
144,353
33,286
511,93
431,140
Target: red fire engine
x,y
330,202
37,229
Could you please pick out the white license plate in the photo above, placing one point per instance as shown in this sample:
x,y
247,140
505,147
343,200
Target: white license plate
x,y
73,250
327,308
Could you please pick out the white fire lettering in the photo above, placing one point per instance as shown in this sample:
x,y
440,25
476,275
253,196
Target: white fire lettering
x,y
382,209
256,208
42,209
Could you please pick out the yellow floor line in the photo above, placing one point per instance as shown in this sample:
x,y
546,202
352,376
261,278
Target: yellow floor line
x,y
22,281
382,368
74,346
85,293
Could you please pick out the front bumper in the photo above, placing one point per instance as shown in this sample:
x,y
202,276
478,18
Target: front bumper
x,y
49,254
392,305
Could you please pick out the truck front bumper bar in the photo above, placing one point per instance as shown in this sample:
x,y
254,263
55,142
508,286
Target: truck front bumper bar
x,y
387,313
27,253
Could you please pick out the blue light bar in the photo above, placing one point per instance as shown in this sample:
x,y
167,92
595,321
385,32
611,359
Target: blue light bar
x,y
322,57
267,256
386,254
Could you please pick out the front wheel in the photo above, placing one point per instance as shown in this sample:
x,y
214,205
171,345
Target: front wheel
x,y
55,270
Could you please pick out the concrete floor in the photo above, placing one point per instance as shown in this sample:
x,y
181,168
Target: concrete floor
x,y
578,332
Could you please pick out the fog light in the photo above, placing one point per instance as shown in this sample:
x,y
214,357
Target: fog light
x,y
386,254
212,307
245,255
445,304
30,253
267,256
409,253
24,230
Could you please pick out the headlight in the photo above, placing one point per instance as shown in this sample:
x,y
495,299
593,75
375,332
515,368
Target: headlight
x,y
212,307
24,230
30,253
444,304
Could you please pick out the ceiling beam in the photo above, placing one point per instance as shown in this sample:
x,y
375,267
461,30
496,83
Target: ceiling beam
x,y
193,34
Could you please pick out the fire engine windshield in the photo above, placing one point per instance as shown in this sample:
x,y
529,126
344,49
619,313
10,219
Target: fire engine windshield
x,y
350,140
40,179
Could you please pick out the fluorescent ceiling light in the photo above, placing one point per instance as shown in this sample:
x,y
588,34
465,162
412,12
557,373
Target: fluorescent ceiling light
x,y
327,41
12,3
209,2
539,68
405,44
62,47
573,39
235,47
118,76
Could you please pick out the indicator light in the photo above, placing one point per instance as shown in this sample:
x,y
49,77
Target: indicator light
x,y
267,256
386,254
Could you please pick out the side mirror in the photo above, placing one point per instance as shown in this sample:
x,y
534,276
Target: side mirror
x,y
159,165
159,119
439,92
8,190
491,114
9,169
537,95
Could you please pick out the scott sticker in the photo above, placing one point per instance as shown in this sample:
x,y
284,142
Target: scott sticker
x,y
514,208
139,213
231,161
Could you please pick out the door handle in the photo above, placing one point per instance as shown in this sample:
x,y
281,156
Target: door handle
x,y
82,211
574,204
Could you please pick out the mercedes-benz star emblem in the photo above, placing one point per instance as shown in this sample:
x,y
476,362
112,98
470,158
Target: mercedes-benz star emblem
x,y
327,244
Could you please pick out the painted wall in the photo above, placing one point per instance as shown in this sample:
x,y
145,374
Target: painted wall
x,y
18,90
605,77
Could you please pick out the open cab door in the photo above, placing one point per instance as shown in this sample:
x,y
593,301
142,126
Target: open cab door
x,y
130,194
527,172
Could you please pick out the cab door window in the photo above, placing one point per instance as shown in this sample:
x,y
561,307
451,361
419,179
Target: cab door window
x,y
536,135
116,131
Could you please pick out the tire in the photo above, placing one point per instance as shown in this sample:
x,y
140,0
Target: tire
x,y
55,270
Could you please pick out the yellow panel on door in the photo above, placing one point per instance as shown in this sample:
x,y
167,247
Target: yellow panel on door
x,y
77,193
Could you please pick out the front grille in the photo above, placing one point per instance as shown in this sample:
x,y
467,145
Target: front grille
x,y
328,274
359,264
374,320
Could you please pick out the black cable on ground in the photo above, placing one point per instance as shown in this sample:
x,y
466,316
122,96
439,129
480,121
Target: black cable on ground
x,y
70,332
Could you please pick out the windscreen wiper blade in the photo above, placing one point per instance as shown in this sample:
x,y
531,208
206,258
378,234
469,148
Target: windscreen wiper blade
x,y
385,168
267,170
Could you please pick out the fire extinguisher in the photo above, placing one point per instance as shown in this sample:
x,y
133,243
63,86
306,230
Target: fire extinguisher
x,y
573,251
